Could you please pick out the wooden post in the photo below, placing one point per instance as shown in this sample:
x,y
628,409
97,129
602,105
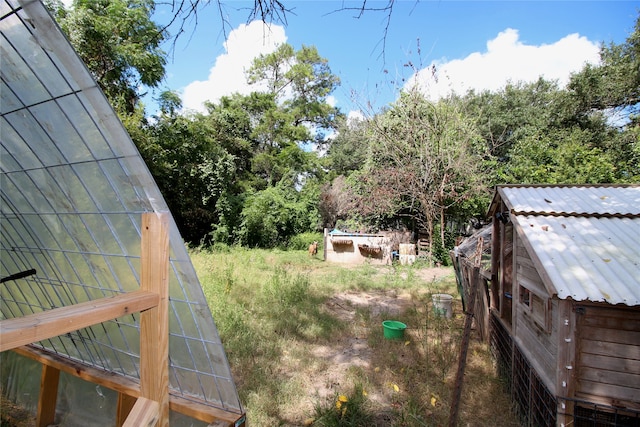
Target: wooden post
x,y
565,377
474,278
48,396
154,323
496,287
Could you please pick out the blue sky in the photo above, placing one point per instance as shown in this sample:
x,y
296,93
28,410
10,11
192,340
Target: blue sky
x,y
473,44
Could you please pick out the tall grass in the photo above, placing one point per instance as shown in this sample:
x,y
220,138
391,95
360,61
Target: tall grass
x,y
270,308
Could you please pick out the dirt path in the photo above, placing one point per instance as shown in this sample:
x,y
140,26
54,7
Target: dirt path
x,y
352,350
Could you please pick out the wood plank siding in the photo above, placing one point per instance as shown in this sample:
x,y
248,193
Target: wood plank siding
x,y
535,318
608,368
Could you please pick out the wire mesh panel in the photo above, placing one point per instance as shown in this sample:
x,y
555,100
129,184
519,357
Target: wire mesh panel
x,y
588,414
501,344
535,405
73,188
543,403
521,386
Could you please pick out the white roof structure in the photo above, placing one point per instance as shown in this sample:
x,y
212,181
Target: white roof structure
x,y
73,187
586,238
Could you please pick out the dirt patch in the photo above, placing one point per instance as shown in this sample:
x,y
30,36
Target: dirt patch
x,y
352,350
344,306
391,302
433,274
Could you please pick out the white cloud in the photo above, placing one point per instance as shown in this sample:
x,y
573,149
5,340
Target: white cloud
x,y
355,115
506,59
227,76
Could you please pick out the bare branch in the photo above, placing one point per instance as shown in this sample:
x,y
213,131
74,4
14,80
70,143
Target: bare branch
x,y
185,12
388,9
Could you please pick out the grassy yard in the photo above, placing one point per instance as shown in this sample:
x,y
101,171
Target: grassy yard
x,y
305,342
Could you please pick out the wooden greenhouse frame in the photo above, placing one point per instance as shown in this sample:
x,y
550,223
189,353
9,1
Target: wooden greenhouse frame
x,y
139,404
97,285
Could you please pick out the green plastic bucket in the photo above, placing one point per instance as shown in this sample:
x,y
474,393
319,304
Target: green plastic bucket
x,y
393,330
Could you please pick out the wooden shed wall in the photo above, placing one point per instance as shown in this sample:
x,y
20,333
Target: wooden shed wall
x,y
608,356
535,326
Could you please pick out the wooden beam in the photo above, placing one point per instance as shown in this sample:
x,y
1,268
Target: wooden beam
x,y
154,323
88,373
51,323
48,396
143,414
202,412
190,407
125,405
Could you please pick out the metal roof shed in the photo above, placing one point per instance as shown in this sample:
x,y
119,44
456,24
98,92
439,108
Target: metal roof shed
x,y
565,300
89,254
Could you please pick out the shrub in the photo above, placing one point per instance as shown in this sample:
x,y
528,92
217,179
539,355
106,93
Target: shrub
x,y
301,242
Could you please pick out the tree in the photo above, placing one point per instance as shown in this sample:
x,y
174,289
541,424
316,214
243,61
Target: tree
x,y
611,89
531,131
217,170
293,115
194,173
300,82
348,149
423,162
560,157
272,216
119,43
615,82
513,113
169,102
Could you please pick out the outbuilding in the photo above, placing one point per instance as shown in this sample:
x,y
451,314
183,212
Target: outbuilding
x,y
564,295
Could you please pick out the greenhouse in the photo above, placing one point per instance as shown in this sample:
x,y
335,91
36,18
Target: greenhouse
x,y
103,319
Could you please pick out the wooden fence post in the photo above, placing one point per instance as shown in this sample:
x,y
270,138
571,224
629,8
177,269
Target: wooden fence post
x,y
154,323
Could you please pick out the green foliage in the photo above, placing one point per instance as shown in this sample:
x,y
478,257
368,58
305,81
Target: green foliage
x,y
300,81
441,249
169,102
195,174
301,242
294,112
615,82
348,150
561,160
422,163
119,43
272,216
611,90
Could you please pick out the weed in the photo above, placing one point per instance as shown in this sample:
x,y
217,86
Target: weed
x,y
345,410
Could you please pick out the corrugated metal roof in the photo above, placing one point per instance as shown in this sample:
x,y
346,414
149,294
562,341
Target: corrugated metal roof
x,y
587,258
576,200
586,237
